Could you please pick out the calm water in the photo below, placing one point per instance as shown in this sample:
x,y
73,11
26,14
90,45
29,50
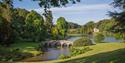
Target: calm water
x,y
54,53
111,39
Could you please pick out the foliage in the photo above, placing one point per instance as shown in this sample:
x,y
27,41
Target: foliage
x,y
72,25
100,53
106,25
55,3
87,28
7,54
119,16
55,33
6,32
35,27
77,51
82,42
48,21
74,31
63,56
18,24
62,26
99,37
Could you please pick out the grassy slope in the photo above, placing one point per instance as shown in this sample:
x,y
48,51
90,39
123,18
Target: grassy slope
x,y
101,53
26,47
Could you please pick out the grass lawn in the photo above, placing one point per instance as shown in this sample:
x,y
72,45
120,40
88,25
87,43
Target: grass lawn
x,y
100,53
28,47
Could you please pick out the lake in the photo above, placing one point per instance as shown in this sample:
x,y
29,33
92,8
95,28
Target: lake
x,y
54,53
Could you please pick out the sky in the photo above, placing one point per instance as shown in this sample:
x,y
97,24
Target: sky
x,y
80,13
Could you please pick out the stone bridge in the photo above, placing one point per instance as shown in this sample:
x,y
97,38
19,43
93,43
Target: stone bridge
x,y
61,43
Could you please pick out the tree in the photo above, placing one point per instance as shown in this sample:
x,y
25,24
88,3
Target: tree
x,y
99,37
84,41
73,25
62,26
48,21
35,29
6,32
88,27
55,3
119,16
14,21
6,8
55,33
18,22
106,25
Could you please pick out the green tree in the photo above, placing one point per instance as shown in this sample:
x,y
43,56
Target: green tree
x,y
72,25
35,26
119,16
98,37
55,3
18,22
6,32
88,28
84,41
106,25
62,26
48,21
55,33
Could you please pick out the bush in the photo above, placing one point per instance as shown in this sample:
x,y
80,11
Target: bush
x,y
77,51
7,54
99,37
63,56
82,42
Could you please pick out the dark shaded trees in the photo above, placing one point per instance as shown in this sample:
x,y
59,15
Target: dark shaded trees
x,y
18,23
6,32
22,24
119,16
48,21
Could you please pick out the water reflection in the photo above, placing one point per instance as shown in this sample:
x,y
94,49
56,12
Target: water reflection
x,y
111,39
54,53
51,54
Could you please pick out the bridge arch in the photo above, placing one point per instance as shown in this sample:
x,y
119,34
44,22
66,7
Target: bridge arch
x,y
62,43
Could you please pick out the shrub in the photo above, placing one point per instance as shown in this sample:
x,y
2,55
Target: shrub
x,y
7,54
99,37
82,42
63,56
77,51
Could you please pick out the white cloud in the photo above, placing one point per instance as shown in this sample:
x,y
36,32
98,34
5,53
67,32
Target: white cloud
x,y
79,8
81,13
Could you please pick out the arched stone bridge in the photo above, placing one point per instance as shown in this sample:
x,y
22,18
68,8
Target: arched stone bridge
x,y
61,43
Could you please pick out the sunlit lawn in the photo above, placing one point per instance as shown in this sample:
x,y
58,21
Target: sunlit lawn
x,y
100,53
26,47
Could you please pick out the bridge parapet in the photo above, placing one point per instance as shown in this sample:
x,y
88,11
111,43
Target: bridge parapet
x,y
58,43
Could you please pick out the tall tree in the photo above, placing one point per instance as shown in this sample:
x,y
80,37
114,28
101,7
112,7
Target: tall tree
x,y
18,22
48,21
62,26
119,16
35,29
88,27
6,14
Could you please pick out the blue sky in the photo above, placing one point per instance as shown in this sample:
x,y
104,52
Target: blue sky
x,y
81,13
